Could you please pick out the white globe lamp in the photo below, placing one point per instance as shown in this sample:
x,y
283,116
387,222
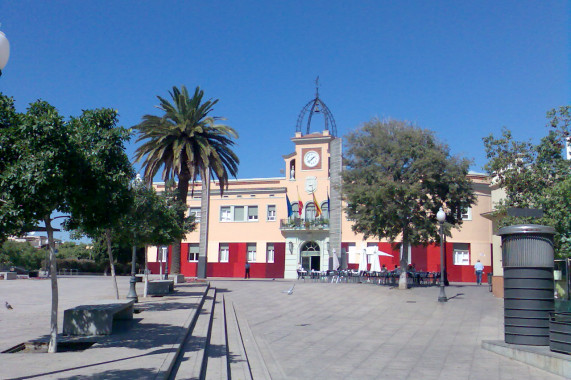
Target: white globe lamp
x,y
4,51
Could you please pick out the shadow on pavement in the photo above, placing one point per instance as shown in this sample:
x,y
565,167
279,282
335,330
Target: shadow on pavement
x,y
113,374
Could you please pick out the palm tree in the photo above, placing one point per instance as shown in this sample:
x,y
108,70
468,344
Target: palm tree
x,y
188,143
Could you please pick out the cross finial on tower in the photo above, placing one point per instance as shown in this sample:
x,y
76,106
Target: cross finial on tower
x,y
317,87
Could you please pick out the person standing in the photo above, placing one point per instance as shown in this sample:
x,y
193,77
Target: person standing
x,y
247,274
479,268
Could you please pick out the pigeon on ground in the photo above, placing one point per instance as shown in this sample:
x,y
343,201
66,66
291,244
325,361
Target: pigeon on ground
x,y
8,306
290,291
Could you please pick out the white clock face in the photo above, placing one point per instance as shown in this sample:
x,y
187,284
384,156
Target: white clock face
x,y
311,158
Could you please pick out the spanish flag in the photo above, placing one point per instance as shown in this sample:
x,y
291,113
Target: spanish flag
x,y
317,208
299,203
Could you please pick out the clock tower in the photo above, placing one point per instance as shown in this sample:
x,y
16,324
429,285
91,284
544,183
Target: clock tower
x,y
313,179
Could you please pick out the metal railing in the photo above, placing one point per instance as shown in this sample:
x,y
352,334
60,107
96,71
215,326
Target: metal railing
x,y
304,224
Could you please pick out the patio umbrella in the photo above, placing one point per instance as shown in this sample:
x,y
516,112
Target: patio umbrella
x,y
363,261
375,265
336,264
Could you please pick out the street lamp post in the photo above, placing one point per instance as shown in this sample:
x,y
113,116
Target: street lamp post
x,y
166,257
441,217
4,51
132,295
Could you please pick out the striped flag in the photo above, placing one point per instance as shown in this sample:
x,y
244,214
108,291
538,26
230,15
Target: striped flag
x,y
289,209
299,203
317,208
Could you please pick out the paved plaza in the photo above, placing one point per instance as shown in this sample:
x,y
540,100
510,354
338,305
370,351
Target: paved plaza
x,y
321,331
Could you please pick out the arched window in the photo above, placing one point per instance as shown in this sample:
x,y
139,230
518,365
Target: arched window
x,y
310,246
310,211
295,210
325,210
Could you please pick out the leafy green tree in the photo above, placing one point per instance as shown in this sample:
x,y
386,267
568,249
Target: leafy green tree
x,y
153,219
186,142
73,250
12,221
107,181
37,182
397,177
21,254
535,176
52,169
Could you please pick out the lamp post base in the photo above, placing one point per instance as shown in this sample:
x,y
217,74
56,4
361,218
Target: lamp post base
x,y
132,295
442,296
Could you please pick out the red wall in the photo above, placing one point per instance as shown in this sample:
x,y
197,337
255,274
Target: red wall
x,y
187,268
236,265
424,258
389,262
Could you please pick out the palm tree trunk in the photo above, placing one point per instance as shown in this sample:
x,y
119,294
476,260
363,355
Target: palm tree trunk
x,y
52,347
204,218
404,261
182,188
111,261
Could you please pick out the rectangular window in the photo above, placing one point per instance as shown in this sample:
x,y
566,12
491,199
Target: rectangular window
x,y
193,252
162,253
196,212
224,253
251,249
239,213
252,213
461,254
467,214
271,212
352,249
225,214
270,252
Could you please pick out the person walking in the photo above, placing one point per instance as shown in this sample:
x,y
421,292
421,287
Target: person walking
x,y
479,268
247,274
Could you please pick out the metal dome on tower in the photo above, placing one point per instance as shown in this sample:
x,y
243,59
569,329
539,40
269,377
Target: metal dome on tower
x,y
316,106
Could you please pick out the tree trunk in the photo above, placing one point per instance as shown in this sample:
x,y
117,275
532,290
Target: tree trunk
x,y
111,261
182,188
52,347
204,218
403,283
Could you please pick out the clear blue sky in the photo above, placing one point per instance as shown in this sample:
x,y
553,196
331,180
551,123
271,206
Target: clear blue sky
x,y
464,69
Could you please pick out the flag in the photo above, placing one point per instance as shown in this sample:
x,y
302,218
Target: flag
x,y
289,209
317,208
299,203
328,205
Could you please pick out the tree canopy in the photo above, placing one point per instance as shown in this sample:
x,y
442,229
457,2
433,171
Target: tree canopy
x,y
187,142
535,176
152,219
62,166
397,177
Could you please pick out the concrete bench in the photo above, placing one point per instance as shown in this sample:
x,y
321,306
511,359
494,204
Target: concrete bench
x,y
160,287
9,275
96,318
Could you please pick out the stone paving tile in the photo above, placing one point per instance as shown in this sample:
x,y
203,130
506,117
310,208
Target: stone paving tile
x,y
371,332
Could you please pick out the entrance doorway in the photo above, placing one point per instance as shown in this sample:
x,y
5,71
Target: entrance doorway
x,y
311,256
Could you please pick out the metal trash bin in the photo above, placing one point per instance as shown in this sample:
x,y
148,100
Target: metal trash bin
x,y
560,332
490,276
528,257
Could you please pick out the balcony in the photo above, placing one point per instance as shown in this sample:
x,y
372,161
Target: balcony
x,y
292,224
